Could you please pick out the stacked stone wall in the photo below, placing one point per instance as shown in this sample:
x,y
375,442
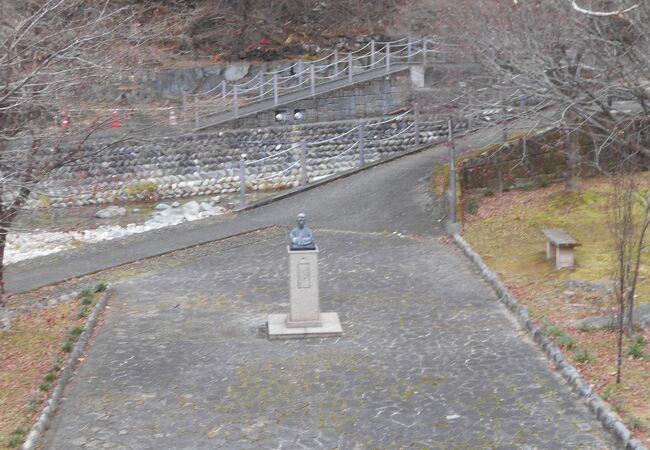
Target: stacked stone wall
x,y
207,164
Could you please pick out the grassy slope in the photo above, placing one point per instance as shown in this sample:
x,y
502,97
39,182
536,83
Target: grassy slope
x,y
506,232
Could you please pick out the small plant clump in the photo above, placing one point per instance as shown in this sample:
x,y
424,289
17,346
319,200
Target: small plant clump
x,y
16,437
86,292
637,348
76,331
584,356
45,386
33,404
100,287
67,346
487,192
472,206
82,312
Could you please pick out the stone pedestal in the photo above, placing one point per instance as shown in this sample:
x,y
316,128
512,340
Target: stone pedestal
x,y
303,289
305,318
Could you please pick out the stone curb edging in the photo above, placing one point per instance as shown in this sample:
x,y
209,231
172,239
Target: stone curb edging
x,y
52,403
610,420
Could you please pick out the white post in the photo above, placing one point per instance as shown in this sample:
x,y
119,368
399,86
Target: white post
x,y
242,180
235,101
196,112
224,89
409,48
312,75
387,57
362,144
452,176
299,69
303,163
275,89
424,51
261,84
336,62
416,124
372,54
350,67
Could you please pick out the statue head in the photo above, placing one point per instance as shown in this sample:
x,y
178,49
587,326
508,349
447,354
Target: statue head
x,y
300,218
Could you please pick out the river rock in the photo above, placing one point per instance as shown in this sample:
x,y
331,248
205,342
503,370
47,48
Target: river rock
x,y
162,206
110,212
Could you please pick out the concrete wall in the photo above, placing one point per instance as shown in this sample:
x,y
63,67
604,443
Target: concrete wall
x,y
367,99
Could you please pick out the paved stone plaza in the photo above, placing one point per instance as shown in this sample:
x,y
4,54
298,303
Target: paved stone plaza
x,y
428,359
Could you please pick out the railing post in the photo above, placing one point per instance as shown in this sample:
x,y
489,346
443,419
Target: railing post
x,y
336,62
452,176
409,50
235,100
424,51
196,112
261,84
362,144
416,124
299,68
184,107
387,57
303,163
275,89
372,54
242,180
312,75
350,67
224,89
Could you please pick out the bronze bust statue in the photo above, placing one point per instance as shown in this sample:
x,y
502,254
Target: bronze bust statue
x,y
301,237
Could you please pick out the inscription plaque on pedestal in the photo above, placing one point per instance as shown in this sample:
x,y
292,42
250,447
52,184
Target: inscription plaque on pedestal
x,y
303,288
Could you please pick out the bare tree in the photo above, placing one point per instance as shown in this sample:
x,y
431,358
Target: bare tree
x,y
51,51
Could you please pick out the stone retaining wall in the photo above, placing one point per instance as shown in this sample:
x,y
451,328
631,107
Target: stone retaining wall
x,y
208,164
372,98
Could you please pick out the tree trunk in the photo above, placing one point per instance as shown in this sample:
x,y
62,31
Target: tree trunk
x,y
572,183
5,323
619,355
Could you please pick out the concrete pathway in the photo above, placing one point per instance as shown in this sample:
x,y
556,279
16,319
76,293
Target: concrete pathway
x,y
429,358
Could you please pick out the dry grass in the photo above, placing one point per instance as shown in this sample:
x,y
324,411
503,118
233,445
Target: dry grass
x,y
31,350
506,233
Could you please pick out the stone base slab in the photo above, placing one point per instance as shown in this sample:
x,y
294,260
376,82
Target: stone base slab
x,y
330,327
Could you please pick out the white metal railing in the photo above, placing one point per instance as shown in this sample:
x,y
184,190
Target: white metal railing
x,y
291,155
304,75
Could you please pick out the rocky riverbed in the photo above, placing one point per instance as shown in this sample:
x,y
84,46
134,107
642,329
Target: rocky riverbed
x,y
105,224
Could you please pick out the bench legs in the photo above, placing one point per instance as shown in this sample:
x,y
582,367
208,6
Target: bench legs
x,y
550,250
563,257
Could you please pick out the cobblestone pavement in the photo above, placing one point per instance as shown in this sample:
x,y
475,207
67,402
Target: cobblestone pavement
x,y
429,358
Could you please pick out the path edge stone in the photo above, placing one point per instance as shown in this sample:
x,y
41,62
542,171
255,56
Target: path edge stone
x,y
609,419
52,403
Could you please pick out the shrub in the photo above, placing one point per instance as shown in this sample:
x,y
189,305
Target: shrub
x,y
67,346
82,312
100,287
45,386
86,300
487,192
472,206
583,356
16,437
567,341
76,331
635,349
51,376
544,181
143,187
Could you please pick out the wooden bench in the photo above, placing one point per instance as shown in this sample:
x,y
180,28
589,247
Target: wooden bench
x,y
559,245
